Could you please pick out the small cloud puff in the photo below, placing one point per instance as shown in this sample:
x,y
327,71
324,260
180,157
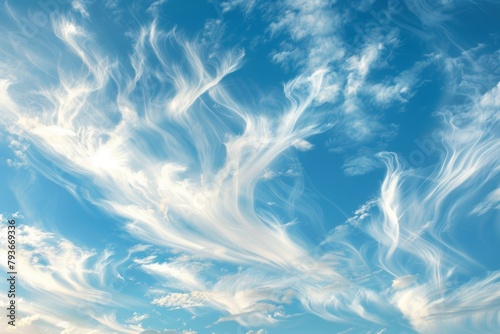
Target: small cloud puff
x,y
137,318
302,145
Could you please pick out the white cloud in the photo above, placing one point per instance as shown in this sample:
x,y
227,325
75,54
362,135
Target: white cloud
x,y
260,331
302,145
360,165
491,98
246,306
183,300
403,282
27,321
137,318
246,6
169,331
185,273
313,23
80,7
64,285
492,201
472,304
18,149
185,177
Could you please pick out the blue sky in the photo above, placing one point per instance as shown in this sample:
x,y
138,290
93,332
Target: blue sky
x,y
290,166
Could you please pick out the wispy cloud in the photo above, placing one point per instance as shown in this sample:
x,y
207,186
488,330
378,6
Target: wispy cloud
x,y
209,186
65,285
